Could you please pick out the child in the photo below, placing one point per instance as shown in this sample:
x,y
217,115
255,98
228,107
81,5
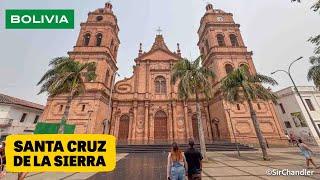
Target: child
x,y
306,152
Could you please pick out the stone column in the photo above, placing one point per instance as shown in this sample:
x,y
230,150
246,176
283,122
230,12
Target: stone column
x,y
174,119
147,79
134,124
170,123
208,121
151,122
131,117
113,124
117,126
146,122
186,122
190,124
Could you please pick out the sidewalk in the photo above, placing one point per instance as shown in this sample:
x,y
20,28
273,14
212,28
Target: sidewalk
x,y
227,165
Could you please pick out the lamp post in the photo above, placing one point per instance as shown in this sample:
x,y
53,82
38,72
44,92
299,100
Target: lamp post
x,y
106,121
235,138
288,72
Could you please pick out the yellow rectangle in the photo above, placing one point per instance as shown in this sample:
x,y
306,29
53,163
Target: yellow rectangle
x,y
61,153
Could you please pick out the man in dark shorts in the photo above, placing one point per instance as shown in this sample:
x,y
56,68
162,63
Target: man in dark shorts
x,y
194,159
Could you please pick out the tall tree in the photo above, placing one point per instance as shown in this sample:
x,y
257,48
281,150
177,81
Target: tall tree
x,y
66,76
315,7
241,86
194,80
314,71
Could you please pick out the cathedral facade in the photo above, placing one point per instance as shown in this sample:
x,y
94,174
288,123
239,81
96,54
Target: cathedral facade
x,y
145,107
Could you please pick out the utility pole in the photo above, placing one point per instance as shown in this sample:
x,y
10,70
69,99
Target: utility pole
x,y
288,72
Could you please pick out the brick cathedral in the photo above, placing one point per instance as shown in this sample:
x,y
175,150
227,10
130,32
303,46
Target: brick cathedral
x,y
145,107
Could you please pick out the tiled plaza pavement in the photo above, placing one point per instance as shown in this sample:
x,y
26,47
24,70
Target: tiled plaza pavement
x,y
220,165
251,166
57,176
149,166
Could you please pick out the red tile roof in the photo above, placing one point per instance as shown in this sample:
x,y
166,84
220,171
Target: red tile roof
x,y
5,99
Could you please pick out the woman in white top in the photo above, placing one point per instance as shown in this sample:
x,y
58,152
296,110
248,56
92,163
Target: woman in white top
x,y
177,165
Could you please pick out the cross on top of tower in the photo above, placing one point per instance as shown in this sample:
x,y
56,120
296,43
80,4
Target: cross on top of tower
x,y
159,30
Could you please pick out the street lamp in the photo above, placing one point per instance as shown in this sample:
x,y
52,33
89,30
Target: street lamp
x,y
288,72
106,121
235,138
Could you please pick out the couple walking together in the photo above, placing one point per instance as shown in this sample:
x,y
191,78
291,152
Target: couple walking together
x,y
184,164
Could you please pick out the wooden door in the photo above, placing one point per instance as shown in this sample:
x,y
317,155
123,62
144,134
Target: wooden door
x,y
124,128
160,126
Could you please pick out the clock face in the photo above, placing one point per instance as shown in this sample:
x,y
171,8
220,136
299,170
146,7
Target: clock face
x,y
220,18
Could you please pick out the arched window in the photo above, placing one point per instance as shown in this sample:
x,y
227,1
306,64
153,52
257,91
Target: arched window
x,y
107,78
98,39
202,51
220,40
207,46
234,40
86,39
160,85
111,44
111,80
229,68
115,50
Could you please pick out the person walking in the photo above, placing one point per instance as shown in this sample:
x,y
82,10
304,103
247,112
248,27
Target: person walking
x,y
177,165
194,160
293,139
307,153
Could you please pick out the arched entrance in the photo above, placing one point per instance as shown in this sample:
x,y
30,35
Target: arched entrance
x,y
195,128
160,126
124,128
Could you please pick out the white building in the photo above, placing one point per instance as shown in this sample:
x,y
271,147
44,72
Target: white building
x,y
17,116
294,116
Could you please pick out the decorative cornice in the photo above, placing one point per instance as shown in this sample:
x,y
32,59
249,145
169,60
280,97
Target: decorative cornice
x,y
105,53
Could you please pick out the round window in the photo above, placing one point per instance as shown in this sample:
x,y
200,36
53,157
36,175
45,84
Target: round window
x,y
99,18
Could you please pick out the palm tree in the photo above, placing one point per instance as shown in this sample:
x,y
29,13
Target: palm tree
x,y
194,79
240,86
66,76
314,71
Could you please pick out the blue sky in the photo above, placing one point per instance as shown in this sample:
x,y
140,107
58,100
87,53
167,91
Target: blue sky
x,y
276,31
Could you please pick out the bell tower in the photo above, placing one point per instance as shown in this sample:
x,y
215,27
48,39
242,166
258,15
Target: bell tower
x,y
97,42
221,43
223,50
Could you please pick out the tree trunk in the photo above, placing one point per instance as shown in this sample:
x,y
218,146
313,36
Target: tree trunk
x,y
65,114
258,131
200,129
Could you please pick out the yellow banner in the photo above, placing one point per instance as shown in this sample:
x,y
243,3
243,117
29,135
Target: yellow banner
x,y
61,153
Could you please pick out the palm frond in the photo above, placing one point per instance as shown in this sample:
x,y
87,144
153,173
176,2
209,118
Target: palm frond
x,y
192,77
240,85
66,76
